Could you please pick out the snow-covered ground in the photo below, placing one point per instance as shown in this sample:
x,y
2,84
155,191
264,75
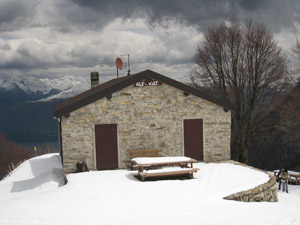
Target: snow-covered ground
x,y
34,194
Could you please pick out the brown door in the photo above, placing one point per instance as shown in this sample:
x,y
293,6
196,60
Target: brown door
x,y
106,146
193,138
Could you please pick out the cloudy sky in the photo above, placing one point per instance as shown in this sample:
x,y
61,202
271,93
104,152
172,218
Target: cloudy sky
x,y
62,37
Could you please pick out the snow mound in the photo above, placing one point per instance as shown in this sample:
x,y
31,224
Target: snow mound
x,y
39,173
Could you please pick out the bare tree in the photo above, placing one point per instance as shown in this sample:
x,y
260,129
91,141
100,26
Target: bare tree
x,y
241,63
276,141
296,52
289,114
285,119
294,63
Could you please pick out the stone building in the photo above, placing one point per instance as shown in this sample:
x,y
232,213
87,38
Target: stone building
x,y
142,111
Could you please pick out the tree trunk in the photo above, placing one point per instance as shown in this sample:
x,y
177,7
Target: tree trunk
x,y
243,154
241,142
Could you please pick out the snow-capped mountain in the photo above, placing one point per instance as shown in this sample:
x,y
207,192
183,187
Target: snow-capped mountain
x,y
44,89
26,105
67,86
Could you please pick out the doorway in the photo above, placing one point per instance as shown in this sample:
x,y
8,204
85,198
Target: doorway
x,y
106,146
193,138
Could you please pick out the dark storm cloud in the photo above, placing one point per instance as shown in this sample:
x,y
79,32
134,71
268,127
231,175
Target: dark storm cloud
x,y
158,12
11,10
14,14
70,15
274,13
254,4
80,34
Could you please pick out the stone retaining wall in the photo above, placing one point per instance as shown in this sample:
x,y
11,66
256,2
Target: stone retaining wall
x,y
266,192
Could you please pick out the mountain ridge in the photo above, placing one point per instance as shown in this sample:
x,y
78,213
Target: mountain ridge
x,y
43,89
26,105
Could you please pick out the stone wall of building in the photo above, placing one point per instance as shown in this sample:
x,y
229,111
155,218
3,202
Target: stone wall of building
x,y
148,117
266,192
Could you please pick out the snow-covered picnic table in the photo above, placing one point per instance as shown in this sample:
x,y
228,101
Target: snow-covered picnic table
x,y
294,177
164,166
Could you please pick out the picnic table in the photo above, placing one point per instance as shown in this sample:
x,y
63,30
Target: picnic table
x,y
164,166
294,177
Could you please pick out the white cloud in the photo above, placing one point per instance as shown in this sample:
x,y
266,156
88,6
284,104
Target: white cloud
x,y
286,38
53,37
38,49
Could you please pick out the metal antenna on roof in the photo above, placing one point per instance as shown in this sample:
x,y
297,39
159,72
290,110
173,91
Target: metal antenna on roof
x,y
128,64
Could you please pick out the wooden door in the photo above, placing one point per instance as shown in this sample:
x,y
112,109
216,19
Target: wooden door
x,y
106,146
193,138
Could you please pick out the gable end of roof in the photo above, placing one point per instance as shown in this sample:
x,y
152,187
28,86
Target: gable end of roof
x,y
106,89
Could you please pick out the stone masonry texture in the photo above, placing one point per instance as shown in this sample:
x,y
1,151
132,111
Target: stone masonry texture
x,y
148,117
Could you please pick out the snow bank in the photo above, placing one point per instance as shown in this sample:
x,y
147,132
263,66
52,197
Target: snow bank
x,y
39,173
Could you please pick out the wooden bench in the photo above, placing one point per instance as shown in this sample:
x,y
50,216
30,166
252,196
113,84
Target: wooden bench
x,y
142,153
165,166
